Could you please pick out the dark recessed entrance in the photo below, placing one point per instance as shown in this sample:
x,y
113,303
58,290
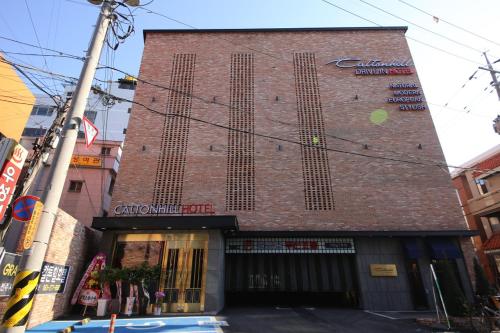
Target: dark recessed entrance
x,y
286,279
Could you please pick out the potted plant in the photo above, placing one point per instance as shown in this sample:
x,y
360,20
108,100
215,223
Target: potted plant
x,y
105,277
159,295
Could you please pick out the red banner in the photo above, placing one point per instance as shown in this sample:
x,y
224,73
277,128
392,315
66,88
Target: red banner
x,y
89,281
9,175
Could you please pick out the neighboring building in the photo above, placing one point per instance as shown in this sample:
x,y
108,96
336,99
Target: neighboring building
x,y
90,180
16,102
478,187
299,193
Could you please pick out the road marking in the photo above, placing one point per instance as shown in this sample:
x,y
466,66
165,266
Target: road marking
x,y
380,315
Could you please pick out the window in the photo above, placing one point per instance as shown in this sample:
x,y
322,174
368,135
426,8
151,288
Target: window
x,y
34,132
43,110
124,131
106,151
129,110
90,115
481,186
75,186
69,94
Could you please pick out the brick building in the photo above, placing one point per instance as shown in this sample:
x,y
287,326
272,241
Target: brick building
x,y
285,165
478,187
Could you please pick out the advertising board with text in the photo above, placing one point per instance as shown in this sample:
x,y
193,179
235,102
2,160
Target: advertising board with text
x,y
53,278
8,270
9,174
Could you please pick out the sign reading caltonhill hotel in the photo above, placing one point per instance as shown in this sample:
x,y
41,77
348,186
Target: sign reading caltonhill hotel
x,y
164,209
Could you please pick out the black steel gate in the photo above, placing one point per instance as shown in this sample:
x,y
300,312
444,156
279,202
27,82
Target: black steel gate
x,y
290,278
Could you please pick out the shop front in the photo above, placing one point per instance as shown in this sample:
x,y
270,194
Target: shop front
x,y
206,263
188,250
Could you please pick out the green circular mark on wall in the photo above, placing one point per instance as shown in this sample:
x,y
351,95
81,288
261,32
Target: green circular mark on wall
x,y
379,116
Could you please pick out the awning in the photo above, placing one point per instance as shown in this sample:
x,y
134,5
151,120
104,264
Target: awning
x,y
412,249
492,245
168,222
442,248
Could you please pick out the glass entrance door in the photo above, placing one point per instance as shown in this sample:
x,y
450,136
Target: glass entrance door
x,y
183,275
183,260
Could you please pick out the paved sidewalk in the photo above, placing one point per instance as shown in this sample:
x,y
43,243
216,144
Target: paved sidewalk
x,y
316,320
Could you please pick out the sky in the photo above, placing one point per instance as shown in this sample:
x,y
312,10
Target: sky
x,y
447,39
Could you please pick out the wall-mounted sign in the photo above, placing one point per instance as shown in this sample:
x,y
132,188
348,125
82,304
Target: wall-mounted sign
x,y
408,96
8,271
9,174
29,230
87,161
383,270
53,278
375,66
164,209
290,245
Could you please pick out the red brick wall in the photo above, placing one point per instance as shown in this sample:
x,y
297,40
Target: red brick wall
x,y
369,193
69,243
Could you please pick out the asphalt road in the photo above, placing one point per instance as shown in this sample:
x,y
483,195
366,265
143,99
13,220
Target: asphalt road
x,y
314,320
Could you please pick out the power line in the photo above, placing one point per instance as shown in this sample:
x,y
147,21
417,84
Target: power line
x,y
44,55
449,23
38,40
421,27
408,37
39,47
29,79
15,102
435,164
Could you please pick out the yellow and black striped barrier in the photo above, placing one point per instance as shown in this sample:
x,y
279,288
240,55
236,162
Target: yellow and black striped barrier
x,y
21,299
71,328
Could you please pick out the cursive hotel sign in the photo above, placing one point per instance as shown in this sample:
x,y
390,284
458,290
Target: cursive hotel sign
x,y
375,66
164,209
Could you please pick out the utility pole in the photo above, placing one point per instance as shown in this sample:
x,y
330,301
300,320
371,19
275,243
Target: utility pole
x,y
26,280
493,75
496,121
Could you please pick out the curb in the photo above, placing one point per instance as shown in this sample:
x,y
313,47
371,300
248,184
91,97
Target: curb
x,y
71,328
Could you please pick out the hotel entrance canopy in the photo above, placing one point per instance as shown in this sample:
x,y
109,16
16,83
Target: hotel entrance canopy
x,y
177,222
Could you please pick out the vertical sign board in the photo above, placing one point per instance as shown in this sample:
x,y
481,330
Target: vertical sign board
x,y
53,278
9,174
8,271
26,239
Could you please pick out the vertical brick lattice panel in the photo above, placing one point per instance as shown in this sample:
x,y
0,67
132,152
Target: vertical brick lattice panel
x,y
315,168
174,140
240,191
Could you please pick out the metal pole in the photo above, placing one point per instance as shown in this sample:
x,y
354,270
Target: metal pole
x,y
440,295
26,281
493,75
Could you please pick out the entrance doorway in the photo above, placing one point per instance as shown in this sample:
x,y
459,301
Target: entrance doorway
x,y
183,261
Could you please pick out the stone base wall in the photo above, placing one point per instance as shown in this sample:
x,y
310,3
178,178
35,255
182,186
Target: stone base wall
x,y
69,245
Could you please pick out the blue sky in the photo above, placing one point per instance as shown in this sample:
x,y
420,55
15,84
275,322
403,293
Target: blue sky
x,y
464,126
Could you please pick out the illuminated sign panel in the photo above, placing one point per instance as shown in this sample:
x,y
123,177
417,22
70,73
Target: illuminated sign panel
x,y
290,245
375,66
164,209
87,161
